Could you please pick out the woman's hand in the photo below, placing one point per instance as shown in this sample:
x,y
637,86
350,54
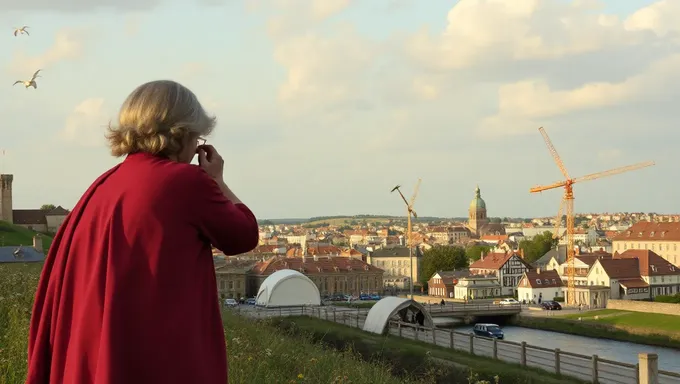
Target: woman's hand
x,y
211,162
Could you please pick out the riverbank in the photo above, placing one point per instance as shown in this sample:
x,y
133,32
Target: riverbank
x,y
415,357
634,327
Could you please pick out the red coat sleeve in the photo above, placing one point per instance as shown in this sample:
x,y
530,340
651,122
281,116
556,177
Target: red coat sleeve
x,y
231,228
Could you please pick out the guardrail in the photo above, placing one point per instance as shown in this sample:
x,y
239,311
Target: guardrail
x,y
587,368
455,307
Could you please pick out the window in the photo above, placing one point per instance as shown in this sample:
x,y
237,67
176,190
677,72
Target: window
x,y
651,234
553,281
538,281
653,268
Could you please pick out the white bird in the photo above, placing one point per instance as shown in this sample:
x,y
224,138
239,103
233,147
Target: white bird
x,y
29,83
21,31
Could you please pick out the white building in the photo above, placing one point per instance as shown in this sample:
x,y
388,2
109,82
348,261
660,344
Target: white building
x,y
540,285
477,287
287,288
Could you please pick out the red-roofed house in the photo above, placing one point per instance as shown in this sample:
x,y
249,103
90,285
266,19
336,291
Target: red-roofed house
x,y
621,276
508,267
537,284
661,276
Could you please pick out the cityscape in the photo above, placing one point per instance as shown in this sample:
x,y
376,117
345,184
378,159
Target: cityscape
x,y
445,192
459,271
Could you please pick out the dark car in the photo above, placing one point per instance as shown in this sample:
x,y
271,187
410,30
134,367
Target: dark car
x,y
488,330
551,306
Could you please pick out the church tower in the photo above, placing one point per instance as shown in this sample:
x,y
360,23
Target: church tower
x,y
6,198
477,214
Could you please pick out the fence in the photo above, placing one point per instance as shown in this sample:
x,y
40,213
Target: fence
x,y
587,368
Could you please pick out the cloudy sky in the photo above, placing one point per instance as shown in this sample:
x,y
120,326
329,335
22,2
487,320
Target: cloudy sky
x,y
325,105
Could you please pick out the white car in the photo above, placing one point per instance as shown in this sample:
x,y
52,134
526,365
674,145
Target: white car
x,y
509,302
230,303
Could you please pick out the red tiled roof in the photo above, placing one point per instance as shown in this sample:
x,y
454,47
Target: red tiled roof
x,y
591,258
321,265
621,268
649,231
651,264
549,279
633,283
492,261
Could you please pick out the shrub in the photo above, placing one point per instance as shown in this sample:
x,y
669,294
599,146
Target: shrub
x,y
672,299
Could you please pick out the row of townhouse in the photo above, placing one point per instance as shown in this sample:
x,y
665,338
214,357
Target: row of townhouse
x,y
599,276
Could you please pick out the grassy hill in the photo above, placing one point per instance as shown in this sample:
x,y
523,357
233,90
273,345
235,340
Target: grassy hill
x,y
16,235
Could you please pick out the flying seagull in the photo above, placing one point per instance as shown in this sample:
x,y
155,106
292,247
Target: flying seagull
x,y
21,31
29,83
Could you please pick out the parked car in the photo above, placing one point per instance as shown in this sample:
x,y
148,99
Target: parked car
x,y
375,297
492,331
509,302
551,305
251,301
230,303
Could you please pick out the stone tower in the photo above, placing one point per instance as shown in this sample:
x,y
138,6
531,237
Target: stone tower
x,y
6,198
477,213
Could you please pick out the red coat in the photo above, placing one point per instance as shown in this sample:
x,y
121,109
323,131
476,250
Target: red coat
x,y
128,293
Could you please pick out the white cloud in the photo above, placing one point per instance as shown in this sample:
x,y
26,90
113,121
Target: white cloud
x,y
133,23
322,72
609,154
522,105
480,31
660,17
68,45
86,125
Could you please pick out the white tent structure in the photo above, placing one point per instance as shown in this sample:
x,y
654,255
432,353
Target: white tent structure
x,y
287,288
380,314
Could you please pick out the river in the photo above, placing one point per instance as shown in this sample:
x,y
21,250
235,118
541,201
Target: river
x,y
669,359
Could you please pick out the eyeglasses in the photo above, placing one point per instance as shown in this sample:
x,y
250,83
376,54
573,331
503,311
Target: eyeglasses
x,y
201,141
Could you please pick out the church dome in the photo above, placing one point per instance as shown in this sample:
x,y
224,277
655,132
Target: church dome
x,y
477,202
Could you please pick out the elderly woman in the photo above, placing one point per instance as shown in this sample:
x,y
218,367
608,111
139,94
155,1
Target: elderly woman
x,y
128,293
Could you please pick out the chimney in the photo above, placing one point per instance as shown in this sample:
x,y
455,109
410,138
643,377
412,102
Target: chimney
x,y
37,243
316,258
538,271
521,253
481,257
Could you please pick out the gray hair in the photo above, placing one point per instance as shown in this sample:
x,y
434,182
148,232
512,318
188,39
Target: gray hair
x,y
156,118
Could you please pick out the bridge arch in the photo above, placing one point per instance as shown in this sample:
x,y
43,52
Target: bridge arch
x,y
384,310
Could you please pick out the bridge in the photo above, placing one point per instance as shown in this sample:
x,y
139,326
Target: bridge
x,y
462,311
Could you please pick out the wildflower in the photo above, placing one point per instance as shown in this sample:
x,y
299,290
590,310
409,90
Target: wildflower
x,y
300,376
250,358
236,340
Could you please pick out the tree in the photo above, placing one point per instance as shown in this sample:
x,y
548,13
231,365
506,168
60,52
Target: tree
x,y
441,258
474,253
47,207
538,246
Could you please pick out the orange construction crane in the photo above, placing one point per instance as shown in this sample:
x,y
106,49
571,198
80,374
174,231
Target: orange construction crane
x,y
409,212
568,203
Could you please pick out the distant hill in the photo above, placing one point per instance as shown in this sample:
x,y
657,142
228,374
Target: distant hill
x,y
15,235
344,220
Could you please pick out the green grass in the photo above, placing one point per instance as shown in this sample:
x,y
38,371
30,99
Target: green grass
x,y
412,356
259,352
644,329
16,235
641,320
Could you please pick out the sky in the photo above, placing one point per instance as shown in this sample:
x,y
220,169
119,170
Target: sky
x,y
324,105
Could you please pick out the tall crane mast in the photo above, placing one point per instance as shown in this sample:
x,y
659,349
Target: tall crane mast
x,y
567,204
409,213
